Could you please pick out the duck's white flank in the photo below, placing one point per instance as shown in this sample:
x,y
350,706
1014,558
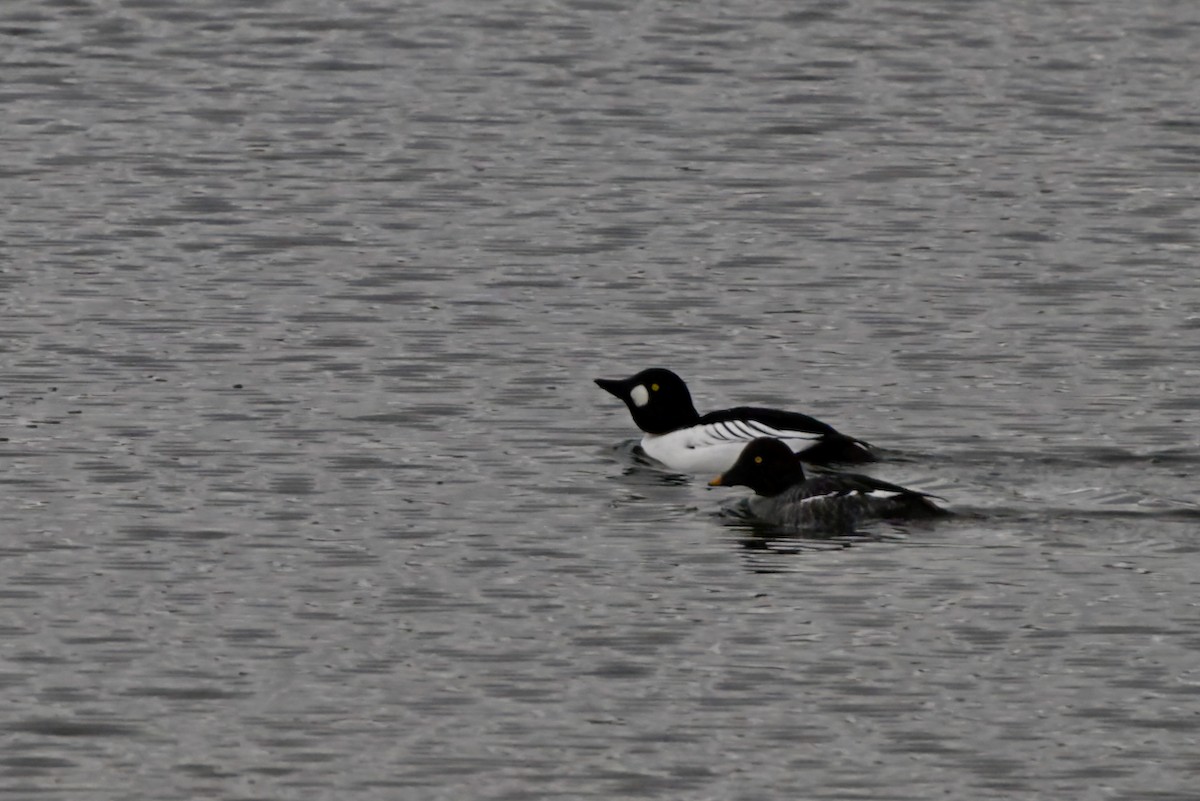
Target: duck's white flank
x,y
714,447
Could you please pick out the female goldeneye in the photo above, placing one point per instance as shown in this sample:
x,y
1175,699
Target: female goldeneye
x,y
680,438
830,501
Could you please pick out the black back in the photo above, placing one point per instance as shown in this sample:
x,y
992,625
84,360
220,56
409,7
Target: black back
x,y
773,418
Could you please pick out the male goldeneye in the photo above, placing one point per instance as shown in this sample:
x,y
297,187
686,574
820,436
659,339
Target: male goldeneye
x,y
830,501
680,438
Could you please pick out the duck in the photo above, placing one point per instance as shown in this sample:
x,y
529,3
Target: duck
x,y
676,435
834,502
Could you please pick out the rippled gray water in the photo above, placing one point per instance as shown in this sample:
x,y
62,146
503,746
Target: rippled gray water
x,y
307,491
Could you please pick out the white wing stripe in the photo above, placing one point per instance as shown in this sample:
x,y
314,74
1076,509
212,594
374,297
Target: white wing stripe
x,y
814,498
764,430
744,430
780,433
854,494
805,435
711,434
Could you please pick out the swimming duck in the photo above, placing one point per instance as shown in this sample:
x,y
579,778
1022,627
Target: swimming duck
x,y
679,437
787,498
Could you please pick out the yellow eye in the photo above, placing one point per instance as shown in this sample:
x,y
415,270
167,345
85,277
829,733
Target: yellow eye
x,y
654,387
758,460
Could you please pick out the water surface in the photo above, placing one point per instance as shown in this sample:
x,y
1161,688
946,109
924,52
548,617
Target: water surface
x,y
308,492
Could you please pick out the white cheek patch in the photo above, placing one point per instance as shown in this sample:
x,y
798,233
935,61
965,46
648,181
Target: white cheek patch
x,y
640,395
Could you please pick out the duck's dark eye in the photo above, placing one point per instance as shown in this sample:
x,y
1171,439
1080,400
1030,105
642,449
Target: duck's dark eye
x,y
654,387
758,460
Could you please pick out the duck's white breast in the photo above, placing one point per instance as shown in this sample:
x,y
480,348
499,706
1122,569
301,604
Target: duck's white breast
x,y
679,452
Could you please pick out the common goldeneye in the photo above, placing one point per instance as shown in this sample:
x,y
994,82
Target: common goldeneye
x,y
830,501
680,438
